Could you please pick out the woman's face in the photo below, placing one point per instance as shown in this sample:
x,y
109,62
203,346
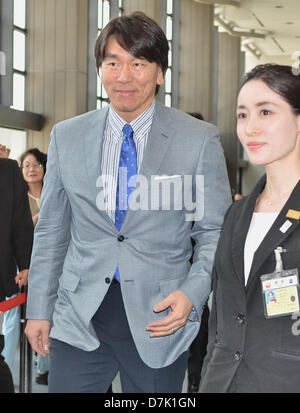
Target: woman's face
x,y
266,125
33,171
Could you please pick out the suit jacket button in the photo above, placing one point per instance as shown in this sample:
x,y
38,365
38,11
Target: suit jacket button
x,y
237,356
107,280
240,318
121,238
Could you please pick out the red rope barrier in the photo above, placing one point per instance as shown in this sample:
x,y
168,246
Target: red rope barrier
x,y
13,302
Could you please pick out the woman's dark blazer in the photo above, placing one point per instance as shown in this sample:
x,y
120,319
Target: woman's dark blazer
x,y
16,227
246,352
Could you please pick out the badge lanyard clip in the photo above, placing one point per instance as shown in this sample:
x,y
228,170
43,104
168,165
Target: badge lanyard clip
x,y
280,289
278,251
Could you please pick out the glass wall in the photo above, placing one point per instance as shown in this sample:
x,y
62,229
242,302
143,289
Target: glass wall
x,y
169,35
19,54
14,139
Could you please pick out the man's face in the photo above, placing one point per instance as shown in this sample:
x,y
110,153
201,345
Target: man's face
x,y
129,82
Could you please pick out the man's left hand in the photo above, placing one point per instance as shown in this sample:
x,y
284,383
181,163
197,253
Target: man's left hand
x,y
22,278
181,307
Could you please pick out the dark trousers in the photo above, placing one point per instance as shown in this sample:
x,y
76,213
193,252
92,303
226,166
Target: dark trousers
x,y
197,352
73,370
6,381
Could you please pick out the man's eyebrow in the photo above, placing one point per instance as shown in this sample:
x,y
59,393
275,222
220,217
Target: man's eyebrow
x,y
115,56
111,56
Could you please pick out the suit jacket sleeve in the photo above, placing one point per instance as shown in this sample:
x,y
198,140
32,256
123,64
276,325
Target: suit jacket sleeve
x,y
212,326
22,225
51,240
216,197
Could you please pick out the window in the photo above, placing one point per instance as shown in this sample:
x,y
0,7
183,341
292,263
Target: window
x,y
105,8
120,7
19,54
169,35
15,140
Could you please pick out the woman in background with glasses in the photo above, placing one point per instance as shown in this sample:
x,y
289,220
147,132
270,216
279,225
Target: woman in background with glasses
x,y
33,165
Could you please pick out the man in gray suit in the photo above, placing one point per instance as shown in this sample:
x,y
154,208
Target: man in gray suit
x,y
112,277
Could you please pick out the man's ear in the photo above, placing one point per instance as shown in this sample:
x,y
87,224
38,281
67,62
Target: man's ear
x,y
160,77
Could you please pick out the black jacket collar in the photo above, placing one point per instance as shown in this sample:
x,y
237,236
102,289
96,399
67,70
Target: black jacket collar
x,y
274,237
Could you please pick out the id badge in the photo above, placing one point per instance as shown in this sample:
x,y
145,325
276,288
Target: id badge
x,y
280,290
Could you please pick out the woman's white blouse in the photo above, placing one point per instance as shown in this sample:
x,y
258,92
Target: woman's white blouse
x,y
260,224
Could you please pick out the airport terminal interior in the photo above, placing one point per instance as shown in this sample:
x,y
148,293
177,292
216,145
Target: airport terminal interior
x,y
47,69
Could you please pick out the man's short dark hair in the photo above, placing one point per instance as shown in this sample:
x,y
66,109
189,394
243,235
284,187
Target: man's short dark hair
x,y
139,35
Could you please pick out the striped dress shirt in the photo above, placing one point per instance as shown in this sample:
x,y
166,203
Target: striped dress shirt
x,y
112,142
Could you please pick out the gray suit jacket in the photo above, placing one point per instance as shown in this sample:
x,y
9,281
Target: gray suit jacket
x,y
76,248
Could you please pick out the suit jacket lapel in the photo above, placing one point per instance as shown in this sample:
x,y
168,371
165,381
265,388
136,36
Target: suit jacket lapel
x,y
241,227
158,142
275,237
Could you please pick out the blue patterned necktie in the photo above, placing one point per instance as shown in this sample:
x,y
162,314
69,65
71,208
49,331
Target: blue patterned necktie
x,y
126,179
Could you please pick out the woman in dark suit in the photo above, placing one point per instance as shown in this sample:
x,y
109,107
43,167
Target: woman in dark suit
x,y
254,342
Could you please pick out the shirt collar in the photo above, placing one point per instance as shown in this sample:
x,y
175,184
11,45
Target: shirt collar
x,y
141,125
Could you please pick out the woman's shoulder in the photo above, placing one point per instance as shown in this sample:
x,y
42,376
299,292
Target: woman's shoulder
x,y
235,208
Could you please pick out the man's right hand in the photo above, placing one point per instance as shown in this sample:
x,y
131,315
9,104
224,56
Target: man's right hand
x,y
37,332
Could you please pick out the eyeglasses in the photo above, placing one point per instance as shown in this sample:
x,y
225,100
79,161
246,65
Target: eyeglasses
x,y
32,165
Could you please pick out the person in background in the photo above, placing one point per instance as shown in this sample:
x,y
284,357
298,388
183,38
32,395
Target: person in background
x,y
252,347
33,165
11,318
16,236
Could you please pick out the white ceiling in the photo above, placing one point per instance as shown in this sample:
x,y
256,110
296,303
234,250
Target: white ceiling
x,y
279,20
